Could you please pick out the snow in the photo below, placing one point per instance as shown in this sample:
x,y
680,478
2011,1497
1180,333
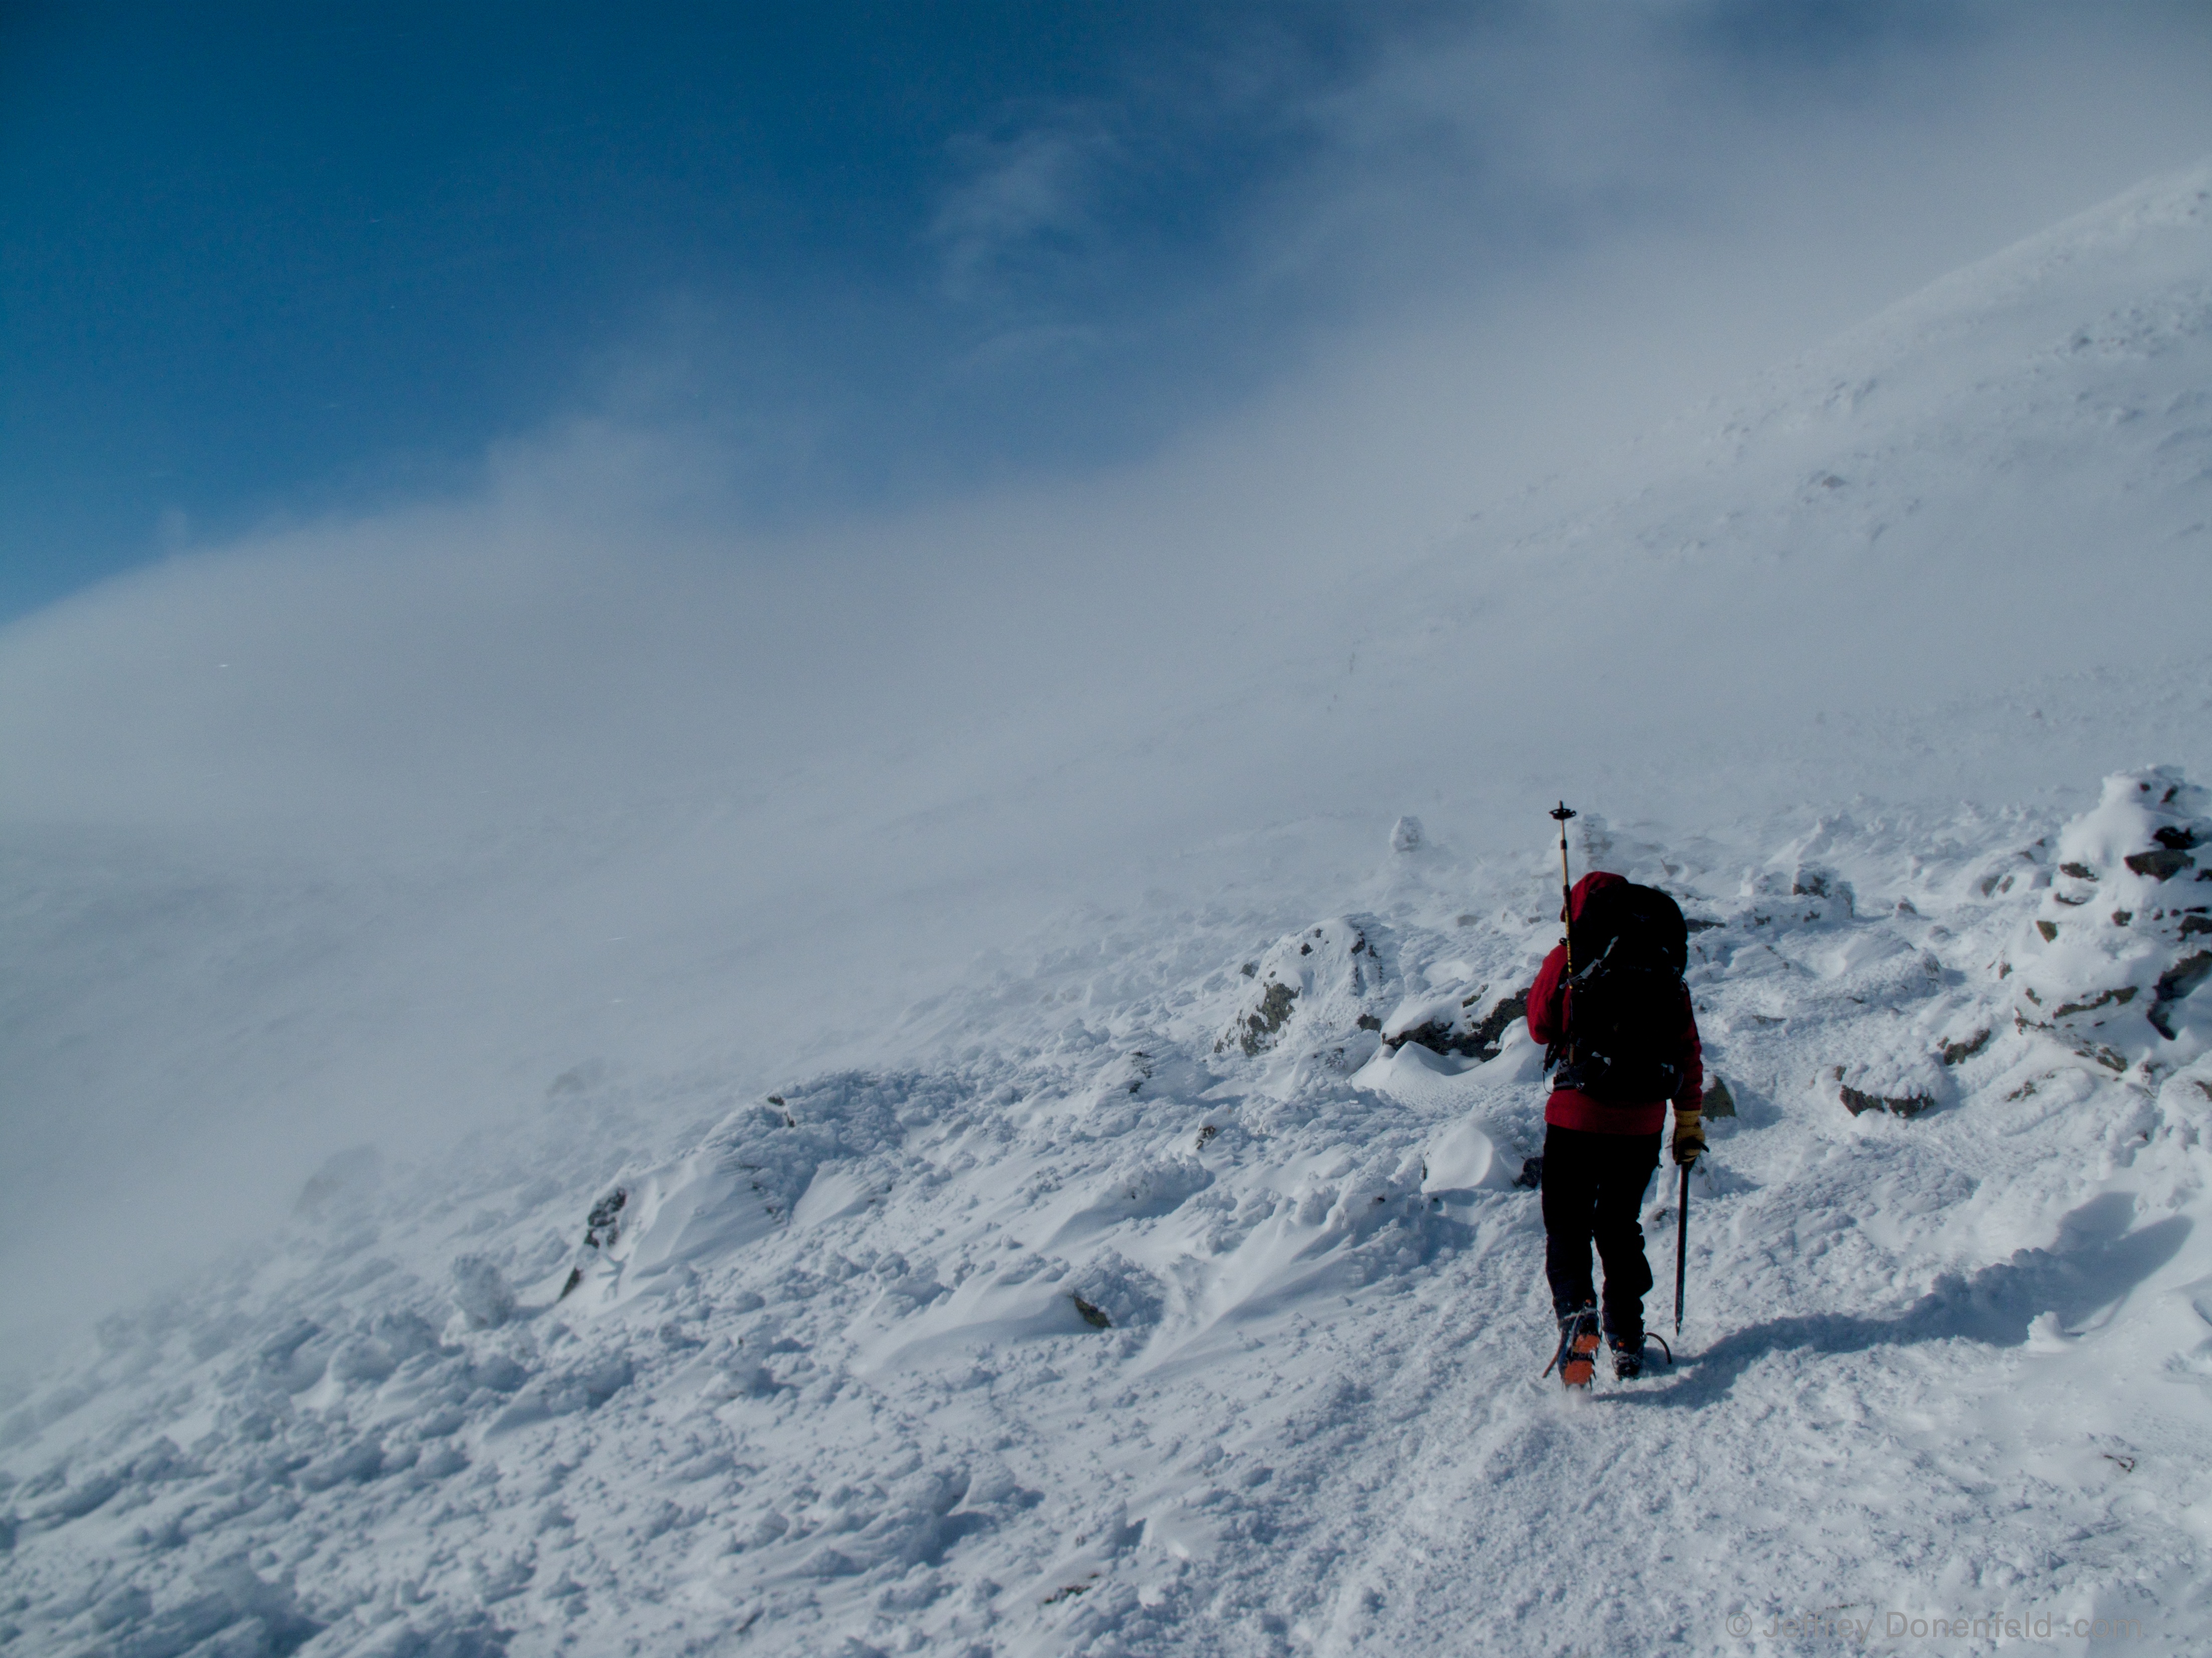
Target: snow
x,y
1119,1339
1146,1285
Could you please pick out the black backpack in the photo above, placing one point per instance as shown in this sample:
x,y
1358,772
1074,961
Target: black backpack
x,y
1625,1016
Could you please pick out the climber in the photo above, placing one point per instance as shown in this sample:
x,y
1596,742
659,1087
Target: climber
x,y
1612,1005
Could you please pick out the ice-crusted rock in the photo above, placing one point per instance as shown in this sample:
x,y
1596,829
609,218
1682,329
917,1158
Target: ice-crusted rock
x,y
754,1174
2121,943
1801,895
1320,982
481,1293
1119,1292
1473,1026
1860,1101
603,1225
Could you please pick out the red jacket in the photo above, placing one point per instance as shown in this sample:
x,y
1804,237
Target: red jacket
x,y
1569,1107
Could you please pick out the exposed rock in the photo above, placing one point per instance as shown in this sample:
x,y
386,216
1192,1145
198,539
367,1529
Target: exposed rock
x,y
1719,1102
1901,1082
1259,1027
1406,834
604,1225
2177,983
1908,1105
1958,1052
1434,1035
1491,1028
2049,930
1815,882
1136,1073
1112,1292
2118,998
2162,864
1452,1033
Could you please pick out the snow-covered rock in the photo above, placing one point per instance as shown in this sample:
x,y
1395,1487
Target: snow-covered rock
x,y
2122,941
1314,984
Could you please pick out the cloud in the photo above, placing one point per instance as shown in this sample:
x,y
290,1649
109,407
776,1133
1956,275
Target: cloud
x,y
367,827
1020,197
1290,178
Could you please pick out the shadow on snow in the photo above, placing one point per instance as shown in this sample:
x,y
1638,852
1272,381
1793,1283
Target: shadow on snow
x,y
2094,1262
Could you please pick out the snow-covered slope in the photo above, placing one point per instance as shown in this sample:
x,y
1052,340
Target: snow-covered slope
x,y
1095,1293
1203,1321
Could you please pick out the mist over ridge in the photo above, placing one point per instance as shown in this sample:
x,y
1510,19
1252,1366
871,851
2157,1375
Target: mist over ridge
x,y
367,830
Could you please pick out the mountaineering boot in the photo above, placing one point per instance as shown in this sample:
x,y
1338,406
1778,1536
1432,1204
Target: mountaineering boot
x,y
1576,1356
1627,1357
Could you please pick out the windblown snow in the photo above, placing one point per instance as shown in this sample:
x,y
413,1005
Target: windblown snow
x,y
1170,1281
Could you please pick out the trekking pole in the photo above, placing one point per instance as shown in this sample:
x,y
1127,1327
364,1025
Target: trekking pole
x,y
1681,1246
1560,814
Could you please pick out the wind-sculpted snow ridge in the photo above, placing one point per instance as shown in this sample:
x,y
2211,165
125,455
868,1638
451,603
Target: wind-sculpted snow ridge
x,y
1104,1334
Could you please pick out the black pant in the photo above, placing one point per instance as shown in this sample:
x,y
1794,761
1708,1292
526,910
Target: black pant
x,y
1594,1188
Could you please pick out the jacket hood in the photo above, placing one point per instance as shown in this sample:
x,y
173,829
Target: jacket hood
x,y
1596,881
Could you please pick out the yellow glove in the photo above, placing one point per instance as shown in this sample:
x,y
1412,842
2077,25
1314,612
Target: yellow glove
x,y
1689,1136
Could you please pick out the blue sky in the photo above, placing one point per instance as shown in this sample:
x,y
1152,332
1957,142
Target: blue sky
x,y
262,263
